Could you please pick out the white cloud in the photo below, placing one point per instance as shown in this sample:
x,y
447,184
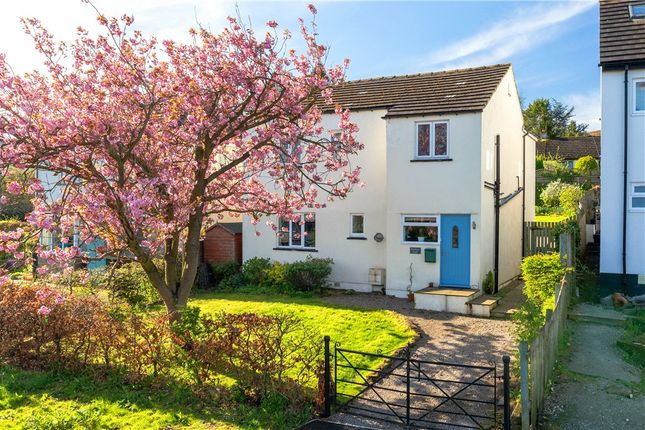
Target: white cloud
x,y
587,107
526,28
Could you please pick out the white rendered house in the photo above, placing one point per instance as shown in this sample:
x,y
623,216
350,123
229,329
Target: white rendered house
x,y
622,194
427,214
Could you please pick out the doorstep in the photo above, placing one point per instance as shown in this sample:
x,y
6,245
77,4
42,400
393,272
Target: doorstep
x,y
445,299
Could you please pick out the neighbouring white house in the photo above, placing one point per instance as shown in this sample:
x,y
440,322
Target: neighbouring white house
x,y
428,212
622,196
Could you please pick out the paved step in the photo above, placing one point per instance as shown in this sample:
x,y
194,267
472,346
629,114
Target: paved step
x,y
597,314
482,306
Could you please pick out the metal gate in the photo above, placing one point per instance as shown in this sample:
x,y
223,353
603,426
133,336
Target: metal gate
x,y
415,393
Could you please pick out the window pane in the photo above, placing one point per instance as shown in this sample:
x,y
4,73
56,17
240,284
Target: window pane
x,y
455,236
283,232
296,234
357,224
640,96
423,140
639,188
310,231
638,202
420,234
441,139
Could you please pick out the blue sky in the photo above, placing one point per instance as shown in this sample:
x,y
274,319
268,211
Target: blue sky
x,y
553,45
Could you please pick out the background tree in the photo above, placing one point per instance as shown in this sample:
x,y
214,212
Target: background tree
x,y
148,139
550,119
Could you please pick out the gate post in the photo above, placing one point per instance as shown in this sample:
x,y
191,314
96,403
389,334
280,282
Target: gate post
x,y
507,393
407,386
327,382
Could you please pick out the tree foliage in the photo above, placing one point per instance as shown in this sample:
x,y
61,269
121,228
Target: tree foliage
x,y
147,139
586,165
550,119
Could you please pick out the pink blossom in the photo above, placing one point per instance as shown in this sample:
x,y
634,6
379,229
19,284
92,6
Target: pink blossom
x,y
59,300
14,188
43,311
312,8
3,200
272,24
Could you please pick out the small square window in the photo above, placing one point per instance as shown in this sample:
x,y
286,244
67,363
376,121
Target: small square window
x,y
357,227
639,96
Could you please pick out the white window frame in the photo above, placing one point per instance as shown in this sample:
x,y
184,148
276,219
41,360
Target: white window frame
x,y
351,225
432,155
405,224
633,194
634,110
290,232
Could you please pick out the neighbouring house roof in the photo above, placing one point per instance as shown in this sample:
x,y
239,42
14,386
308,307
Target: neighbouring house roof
x,y
622,39
570,148
451,91
231,227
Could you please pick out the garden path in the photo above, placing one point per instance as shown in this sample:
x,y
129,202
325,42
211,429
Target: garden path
x,y
443,337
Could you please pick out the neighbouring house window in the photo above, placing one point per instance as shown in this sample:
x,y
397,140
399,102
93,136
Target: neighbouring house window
x,y
357,225
432,139
421,228
639,96
297,234
638,197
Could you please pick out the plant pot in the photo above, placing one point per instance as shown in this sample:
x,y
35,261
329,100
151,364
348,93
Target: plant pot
x,y
411,297
430,284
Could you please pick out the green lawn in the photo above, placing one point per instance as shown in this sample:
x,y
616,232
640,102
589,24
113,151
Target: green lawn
x,y
551,218
52,401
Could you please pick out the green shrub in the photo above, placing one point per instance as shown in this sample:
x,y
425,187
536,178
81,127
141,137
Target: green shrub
x,y
570,196
276,276
131,284
528,320
550,196
224,270
541,273
309,274
255,269
586,165
556,170
539,162
489,283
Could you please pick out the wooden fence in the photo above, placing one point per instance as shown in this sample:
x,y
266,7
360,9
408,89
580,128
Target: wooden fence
x,y
537,359
541,237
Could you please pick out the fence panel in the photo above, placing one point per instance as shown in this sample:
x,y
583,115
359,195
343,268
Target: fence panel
x,y
540,355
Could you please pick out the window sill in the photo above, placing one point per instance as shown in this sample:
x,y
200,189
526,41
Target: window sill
x,y
284,248
421,243
356,238
424,160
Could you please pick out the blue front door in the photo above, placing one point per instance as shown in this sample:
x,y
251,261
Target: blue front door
x,y
455,251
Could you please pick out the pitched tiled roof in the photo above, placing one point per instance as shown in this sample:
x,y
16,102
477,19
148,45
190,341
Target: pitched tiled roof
x,y
462,90
570,148
622,40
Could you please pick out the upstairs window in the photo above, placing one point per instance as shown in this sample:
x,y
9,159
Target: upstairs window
x,y
637,11
432,139
297,234
639,96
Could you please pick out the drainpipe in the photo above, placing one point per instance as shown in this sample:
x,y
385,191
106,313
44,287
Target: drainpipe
x,y
496,196
625,176
523,186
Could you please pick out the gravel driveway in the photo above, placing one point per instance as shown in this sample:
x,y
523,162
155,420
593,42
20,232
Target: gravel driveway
x,y
444,337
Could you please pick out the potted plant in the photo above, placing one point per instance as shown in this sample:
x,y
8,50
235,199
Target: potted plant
x,y
430,284
410,295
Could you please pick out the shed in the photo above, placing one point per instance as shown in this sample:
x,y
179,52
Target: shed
x,y
223,243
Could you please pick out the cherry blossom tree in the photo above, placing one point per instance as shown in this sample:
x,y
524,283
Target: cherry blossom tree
x,y
148,140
